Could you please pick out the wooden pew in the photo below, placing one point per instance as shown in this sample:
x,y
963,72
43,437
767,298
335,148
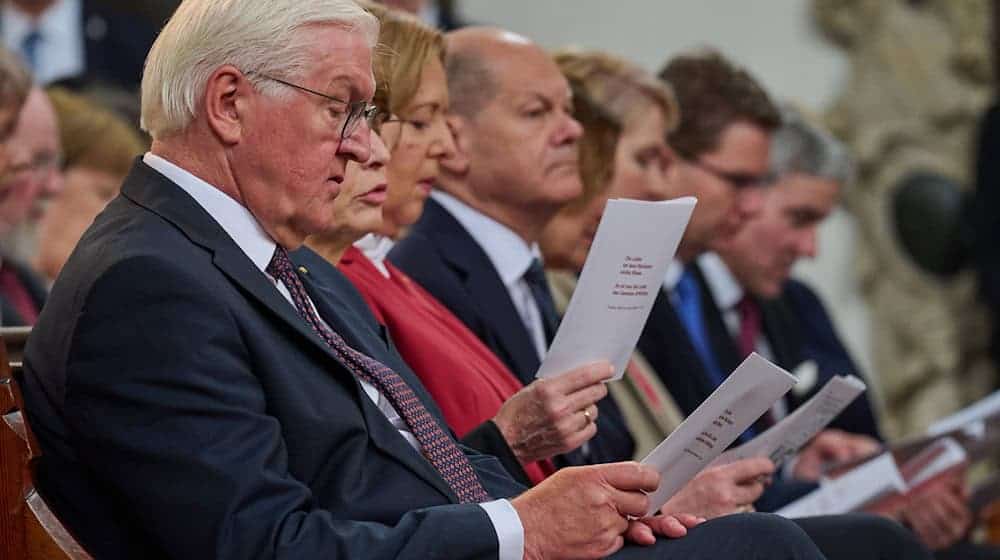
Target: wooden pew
x,y
28,528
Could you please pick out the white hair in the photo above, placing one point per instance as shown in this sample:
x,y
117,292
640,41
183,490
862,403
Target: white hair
x,y
256,36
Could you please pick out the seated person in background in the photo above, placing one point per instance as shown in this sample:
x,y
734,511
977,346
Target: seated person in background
x,y
474,247
15,82
99,148
197,396
481,399
33,177
721,148
782,319
626,115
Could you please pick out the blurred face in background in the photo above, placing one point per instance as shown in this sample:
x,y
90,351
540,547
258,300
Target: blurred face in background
x,y
87,191
639,172
762,254
727,182
418,138
33,164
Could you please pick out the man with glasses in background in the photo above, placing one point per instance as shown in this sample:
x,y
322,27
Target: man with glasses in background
x,y
33,176
722,148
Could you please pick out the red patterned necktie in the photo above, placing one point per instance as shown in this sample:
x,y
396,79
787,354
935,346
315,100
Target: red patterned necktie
x,y
750,325
435,444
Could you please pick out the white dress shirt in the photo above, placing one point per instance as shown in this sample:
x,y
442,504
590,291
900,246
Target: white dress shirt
x,y
61,52
511,257
249,236
376,247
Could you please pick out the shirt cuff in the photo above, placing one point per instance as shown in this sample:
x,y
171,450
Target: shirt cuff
x,y
507,524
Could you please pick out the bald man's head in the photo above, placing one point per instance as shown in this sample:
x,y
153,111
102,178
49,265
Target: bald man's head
x,y
474,64
516,155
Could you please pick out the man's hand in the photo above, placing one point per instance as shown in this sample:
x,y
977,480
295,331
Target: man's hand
x,y
939,514
828,447
644,531
581,512
718,491
547,417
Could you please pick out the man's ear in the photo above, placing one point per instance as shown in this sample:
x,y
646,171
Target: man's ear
x,y
457,163
226,103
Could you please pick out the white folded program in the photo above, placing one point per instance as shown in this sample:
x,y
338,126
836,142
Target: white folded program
x,y
784,439
749,392
879,478
635,242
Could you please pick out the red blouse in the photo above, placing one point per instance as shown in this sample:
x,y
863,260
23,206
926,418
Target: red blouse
x,y
465,378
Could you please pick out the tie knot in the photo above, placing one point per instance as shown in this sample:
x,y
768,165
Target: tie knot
x,y
535,273
280,265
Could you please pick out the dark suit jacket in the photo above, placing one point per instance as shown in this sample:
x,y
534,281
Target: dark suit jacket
x,y
798,328
186,411
485,437
441,256
32,283
667,347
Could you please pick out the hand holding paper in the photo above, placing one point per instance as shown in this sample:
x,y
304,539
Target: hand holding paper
x,y
736,404
785,438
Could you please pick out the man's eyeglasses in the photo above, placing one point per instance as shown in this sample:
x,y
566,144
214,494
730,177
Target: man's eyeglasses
x,y
735,179
356,112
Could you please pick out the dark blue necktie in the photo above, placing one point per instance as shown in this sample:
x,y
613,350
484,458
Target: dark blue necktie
x,y
535,278
29,48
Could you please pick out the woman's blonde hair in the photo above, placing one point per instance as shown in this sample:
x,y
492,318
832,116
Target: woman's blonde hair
x,y
405,44
81,121
609,93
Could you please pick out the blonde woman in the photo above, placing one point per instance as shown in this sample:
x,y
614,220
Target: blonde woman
x,y
482,401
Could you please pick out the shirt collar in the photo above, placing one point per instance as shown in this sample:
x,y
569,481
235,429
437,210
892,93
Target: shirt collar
x,y
510,255
376,247
234,218
62,17
724,287
674,272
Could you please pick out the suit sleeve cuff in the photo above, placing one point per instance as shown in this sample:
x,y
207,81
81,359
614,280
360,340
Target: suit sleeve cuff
x,y
507,524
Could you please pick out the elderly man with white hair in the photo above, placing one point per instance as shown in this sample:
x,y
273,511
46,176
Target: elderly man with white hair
x,y
197,396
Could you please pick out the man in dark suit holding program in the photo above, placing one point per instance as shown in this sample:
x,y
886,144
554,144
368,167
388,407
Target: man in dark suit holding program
x,y
197,396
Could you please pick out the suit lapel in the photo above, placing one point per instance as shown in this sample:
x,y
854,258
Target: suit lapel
x,y
667,347
487,293
159,195
346,322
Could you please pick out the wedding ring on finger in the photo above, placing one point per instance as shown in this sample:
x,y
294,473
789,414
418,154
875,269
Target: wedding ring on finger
x,y
587,415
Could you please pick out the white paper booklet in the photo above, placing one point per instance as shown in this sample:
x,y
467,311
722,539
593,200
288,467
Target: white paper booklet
x,y
635,242
785,438
875,479
742,398
978,411
864,484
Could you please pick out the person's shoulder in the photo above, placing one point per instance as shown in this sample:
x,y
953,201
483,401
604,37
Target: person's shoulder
x,y
800,295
